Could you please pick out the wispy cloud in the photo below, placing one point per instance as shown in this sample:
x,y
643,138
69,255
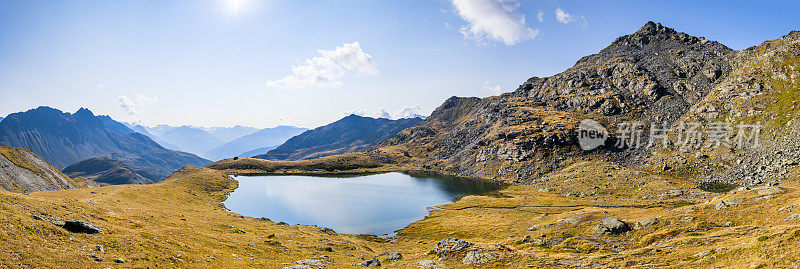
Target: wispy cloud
x,y
540,16
130,106
494,20
142,99
563,17
127,105
405,112
492,89
325,71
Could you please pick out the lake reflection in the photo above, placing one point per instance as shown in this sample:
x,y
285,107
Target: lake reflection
x,y
369,204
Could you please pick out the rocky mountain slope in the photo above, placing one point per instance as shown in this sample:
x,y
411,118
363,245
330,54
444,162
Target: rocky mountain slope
x,y
269,137
62,139
23,171
350,134
655,76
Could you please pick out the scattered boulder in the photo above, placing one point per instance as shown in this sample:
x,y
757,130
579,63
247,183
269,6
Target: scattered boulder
x,y
119,260
611,226
670,194
474,257
79,226
448,245
572,220
728,202
770,191
370,262
55,221
429,264
308,262
297,267
394,256
795,216
644,223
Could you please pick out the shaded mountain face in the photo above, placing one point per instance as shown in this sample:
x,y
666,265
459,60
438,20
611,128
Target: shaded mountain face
x,y
23,171
349,134
62,139
106,171
265,138
654,75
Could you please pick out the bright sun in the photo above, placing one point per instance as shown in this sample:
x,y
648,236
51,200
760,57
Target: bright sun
x,y
237,6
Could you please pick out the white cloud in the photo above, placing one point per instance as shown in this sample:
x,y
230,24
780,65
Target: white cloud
x,y
325,71
127,105
142,99
540,16
408,112
494,20
489,88
563,17
405,112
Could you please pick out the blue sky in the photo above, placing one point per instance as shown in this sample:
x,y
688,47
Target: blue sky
x,y
307,63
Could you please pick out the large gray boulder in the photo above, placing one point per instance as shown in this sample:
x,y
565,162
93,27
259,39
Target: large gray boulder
x,y
474,257
611,226
450,245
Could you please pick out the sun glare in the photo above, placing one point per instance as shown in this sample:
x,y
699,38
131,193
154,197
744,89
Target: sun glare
x,y
236,7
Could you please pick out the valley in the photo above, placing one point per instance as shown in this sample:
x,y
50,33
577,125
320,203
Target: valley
x,y
729,201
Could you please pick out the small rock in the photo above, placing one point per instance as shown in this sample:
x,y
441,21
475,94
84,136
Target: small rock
x,y
645,223
611,226
429,264
670,194
449,245
79,226
308,262
686,218
474,257
766,197
119,260
770,191
795,216
100,248
296,266
394,256
572,220
534,227
723,203
370,262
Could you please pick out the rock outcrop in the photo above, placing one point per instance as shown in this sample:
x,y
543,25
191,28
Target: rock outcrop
x,y
23,171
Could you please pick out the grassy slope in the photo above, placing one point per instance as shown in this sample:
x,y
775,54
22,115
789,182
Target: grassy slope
x,y
146,226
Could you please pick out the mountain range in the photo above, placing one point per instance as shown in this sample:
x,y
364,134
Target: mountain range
x,y
63,139
255,142
218,142
350,134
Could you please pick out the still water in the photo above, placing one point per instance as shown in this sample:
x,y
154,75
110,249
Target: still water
x,y
368,204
